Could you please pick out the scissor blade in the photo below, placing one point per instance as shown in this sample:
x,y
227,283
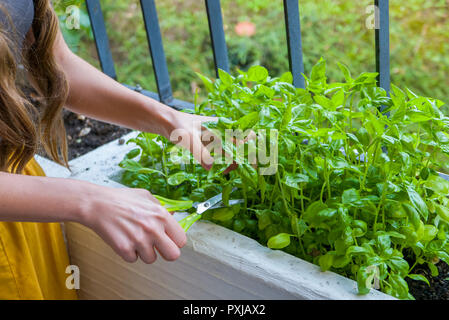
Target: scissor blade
x,y
231,203
206,205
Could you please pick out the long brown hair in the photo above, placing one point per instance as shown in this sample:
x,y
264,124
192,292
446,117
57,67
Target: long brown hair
x,y
24,126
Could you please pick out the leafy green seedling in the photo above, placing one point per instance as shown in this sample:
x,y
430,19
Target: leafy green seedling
x,y
355,187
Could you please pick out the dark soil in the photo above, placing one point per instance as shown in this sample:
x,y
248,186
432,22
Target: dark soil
x,y
85,134
439,286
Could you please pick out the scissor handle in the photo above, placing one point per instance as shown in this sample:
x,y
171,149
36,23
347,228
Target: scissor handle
x,y
188,221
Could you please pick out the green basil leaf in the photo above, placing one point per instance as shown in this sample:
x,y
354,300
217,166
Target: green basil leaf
x,y
437,184
400,286
443,256
264,219
279,241
418,202
399,265
292,180
257,74
350,196
419,277
225,78
223,214
178,178
248,121
325,261
442,212
413,215
318,70
207,82
132,154
346,73
433,269
355,250
429,232
286,77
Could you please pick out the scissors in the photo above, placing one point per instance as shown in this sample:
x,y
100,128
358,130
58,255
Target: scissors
x,y
201,207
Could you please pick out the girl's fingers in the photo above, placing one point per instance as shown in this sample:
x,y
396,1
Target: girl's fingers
x,y
208,119
174,230
126,250
201,154
146,252
167,248
232,167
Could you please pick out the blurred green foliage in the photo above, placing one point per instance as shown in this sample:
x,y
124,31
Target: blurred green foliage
x,y
334,29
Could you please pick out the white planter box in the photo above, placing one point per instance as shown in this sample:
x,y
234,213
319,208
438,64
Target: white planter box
x,y
216,263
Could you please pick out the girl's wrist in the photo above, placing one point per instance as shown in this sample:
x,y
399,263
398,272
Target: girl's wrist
x,y
161,119
84,201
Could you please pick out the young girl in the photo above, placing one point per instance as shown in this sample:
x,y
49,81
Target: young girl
x,y
33,257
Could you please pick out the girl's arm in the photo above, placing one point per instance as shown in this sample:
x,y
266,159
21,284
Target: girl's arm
x,y
39,199
131,221
96,95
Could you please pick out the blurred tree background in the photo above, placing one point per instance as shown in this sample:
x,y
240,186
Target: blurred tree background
x,y
255,34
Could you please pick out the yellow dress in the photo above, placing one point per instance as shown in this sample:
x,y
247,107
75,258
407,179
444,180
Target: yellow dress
x,y
33,258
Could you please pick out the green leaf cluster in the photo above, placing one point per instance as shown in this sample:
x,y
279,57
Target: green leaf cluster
x,y
356,189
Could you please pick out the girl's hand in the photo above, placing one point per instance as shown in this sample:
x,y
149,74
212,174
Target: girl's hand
x,y
133,223
188,132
